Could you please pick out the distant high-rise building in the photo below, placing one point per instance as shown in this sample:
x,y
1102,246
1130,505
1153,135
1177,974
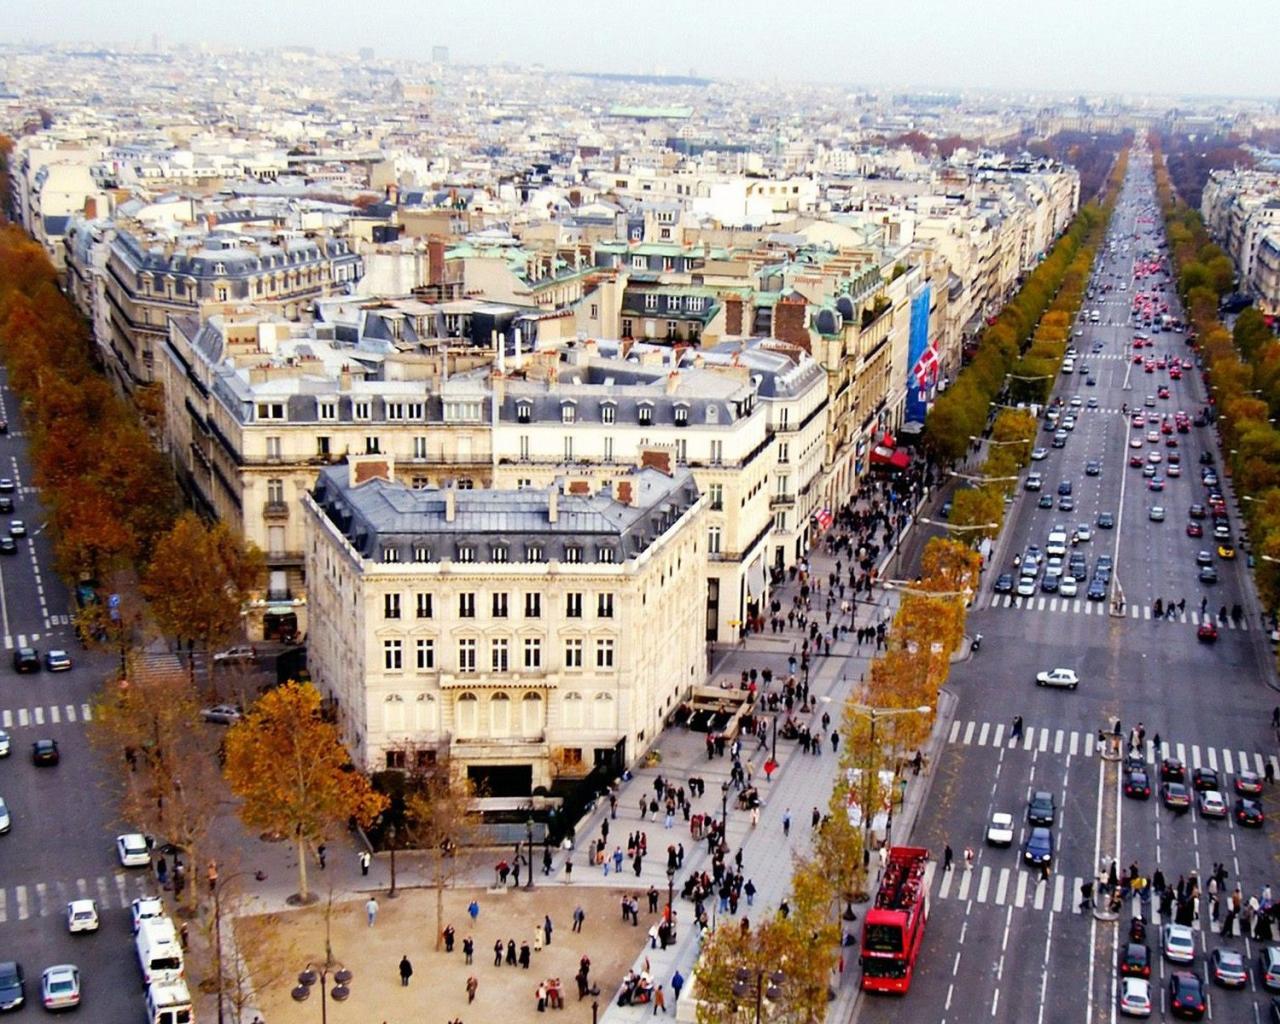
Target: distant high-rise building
x,y
366,53
440,54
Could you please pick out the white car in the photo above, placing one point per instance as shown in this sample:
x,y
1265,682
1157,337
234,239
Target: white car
x,y
1000,831
1059,677
1083,533
1068,587
1135,997
1178,943
133,851
1039,453
1212,804
4,743
82,916
60,987
145,907
1156,515
1026,586
5,822
17,528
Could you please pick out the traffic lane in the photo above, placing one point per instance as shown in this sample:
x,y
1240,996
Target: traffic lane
x,y
941,978
77,686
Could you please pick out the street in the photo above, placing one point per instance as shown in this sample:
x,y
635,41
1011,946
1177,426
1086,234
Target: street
x,y
1000,940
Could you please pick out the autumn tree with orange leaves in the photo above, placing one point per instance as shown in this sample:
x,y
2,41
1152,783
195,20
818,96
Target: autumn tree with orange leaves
x,y
288,767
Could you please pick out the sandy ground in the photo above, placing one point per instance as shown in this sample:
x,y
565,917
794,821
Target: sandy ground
x,y
279,945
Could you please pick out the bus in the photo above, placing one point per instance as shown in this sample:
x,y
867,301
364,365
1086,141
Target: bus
x,y
894,926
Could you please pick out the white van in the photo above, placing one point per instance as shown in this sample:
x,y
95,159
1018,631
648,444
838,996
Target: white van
x,y
1068,365
1056,545
1094,317
159,952
169,1003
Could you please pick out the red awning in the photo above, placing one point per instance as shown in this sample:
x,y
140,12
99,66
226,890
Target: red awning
x,y
895,458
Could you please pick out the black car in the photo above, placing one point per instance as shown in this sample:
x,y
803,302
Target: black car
x,y
1205,779
12,985
8,546
1186,995
1040,809
1046,501
44,752
6,504
26,659
1106,521
1064,487
1136,784
1135,961
1206,458
1172,770
1196,511
1004,583
1092,468
1097,590
1249,812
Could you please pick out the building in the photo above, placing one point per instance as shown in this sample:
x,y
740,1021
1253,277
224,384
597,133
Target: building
x,y
526,635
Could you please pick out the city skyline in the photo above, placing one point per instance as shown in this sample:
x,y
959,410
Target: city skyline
x,y
919,44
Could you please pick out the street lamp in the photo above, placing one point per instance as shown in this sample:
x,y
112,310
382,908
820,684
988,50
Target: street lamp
x,y
671,890
974,478
391,845
958,528
528,829
308,977
742,986
873,714
724,804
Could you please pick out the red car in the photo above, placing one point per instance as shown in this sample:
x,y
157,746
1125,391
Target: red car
x,y
1195,530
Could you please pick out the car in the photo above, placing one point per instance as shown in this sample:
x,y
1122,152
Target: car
x,y
4,743
1041,809
1206,458
1064,487
1172,770
1106,521
1038,849
6,485
1068,587
82,916
1034,482
1058,677
1076,400
1139,420
1027,585
1212,804
1222,532
1153,437
1066,503
1226,552
13,985
1174,470
1196,511
1097,590
241,653
57,660
6,504
1207,574
1093,468
1068,423
1248,783
8,546
1207,633
1269,967
1156,514
1135,442
17,528
1046,501
1156,484
1149,471
1037,454
1137,785
1093,402
1135,997
1194,529
1092,382
1154,458
1178,943
1204,558
1204,779
1049,583
60,987
1135,960
1149,401
143,908
133,851
5,822
26,659
1000,830
1227,968
1176,796
1249,812
45,753
1059,439
229,714
1186,995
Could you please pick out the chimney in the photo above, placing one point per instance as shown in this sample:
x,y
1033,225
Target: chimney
x,y
344,378
733,315
450,504
90,208
553,503
789,321
673,382
624,492
435,261
518,362
659,460
360,469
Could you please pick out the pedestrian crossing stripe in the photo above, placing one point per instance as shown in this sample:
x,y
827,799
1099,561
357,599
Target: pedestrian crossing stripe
x,y
21,640
1079,742
55,714
43,899
1078,606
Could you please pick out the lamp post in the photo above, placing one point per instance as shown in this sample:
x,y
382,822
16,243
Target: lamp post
x,y
671,891
742,986
774,756
872,715
528,830
391,844
311,974
724,804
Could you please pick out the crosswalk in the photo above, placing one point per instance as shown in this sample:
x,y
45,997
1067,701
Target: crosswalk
x,y
1081,743
1023,889
53,714
1083,606
43,899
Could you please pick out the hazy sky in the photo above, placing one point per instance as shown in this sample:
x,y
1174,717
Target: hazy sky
x,y
1174,46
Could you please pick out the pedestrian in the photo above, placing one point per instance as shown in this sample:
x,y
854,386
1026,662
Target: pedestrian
x,y
579,916
473,908
546,861
659,1002
947,857
321,852
473,983
677,983
406,970
448,938
162,870
750,890
568,869
365,859
546,927
511,952
526,956
835,740
1016,731
786,822
497,953
371,910
468,948
211,873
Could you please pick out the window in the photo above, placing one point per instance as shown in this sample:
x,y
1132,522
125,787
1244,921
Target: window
x,y
371,445
500,714
608,449
651,302
568,448
533,553
322,447
604,555
573,606
391,606
391,554
608,413
573,553
498,654
602,711
275,491
604,606
361,410
499,605
668,262
532,652
498,553
682,450
673,329
466,606
645,415
426,605
532,605
595,311
404,410
573,653
524,412
419,447
466,553
717,453
531,712
327,410
715,492
273,448
638,263
421,553
783,483
573,710
271,410
784,451
604,654
392,655
524,447
426,655
783,416
713,541
626,327
568,412
682,415
468,706
467,655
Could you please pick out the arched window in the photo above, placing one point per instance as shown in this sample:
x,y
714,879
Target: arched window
x,y
603,712
531,714
468,713
499,714
426,714
573,710
393,716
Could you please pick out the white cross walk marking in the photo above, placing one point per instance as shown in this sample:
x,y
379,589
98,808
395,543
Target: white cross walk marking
x,y
7,718
55,715
965,878
1262,768
4,906
1075,606
71,712
1150,752
1044,740
23,717
1146,612
20,897
82,889
1043,602
38,714
1135,612
104,892
1088,744
1275,765
983,883
1026,741
999,734
1059,884
1053,604
968,734
1057,742
1243,761
1213,758
1195,756
120,889
42,893
982,734
1228,765
1182,753
1002,886
1073,746
945,887
1020,896
86,713
955,731
1042,887
8,642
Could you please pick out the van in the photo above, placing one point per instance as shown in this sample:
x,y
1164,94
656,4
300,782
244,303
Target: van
x,y
1094,317
169,1003
1056,545
1068,365
159,953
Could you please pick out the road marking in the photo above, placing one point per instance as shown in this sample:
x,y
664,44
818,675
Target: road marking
x,y
124,894
86,712
1195,756
968,733
1058,886
23,717
42,903
4,906
1227,763
1002,886
71,712
20,896
1073,748
82,889
945,888
982,734
7,718
1028,738
1262,768
955,731
1213,758
1136,611
104,893
1042,887
1044,740
965,879
55,716
1020,896
1243,761
998,735
39,716
1057,742
1146,613
1275,764
1182,753
983,883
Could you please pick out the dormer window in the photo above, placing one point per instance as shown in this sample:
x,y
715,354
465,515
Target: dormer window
x,y
220,269
533,553
682,415
568,412
645,414
573,553
466,553
391,554
604,555
498,553
524,412
271,410
713,414
608,413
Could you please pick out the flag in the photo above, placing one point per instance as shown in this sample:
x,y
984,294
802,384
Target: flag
x,y
927,366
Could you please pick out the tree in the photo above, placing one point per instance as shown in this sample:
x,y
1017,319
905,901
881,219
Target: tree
x,y
439,817
292,775
199,579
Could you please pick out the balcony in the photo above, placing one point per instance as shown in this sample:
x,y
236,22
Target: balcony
x,y
275,511
781,500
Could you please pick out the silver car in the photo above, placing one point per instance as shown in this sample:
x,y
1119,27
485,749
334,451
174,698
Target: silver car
x,y
60,987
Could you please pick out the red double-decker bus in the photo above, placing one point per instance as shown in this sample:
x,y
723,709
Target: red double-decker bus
x,y
894,926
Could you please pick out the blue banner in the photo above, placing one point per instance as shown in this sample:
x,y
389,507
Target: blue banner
x,y
922,359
